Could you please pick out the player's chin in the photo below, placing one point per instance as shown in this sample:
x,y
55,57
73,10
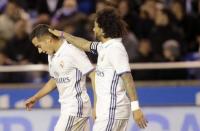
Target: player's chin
x,y
97,37
43,52
47,53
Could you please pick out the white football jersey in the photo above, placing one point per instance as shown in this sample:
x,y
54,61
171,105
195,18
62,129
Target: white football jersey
x,y
69,66
112,100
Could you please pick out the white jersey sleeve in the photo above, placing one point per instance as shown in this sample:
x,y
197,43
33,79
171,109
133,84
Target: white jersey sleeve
x,y
118,58
81,61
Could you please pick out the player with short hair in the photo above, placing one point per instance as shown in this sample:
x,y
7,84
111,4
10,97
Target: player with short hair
x,y
68,67
113,79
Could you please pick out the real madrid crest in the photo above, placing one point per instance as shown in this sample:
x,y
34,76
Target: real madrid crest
x,y
56,74
61,64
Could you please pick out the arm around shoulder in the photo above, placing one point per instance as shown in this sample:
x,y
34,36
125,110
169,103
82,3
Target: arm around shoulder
x,y
79,42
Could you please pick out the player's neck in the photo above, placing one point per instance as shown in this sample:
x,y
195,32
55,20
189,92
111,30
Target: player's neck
x,y
103,40
57,44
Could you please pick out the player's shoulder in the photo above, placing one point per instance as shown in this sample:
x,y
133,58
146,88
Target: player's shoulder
x,y
117,48
75,52
69,48
117,45
75,49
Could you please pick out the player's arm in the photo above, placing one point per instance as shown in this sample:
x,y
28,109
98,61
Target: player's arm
x,y
131,91
80,43
119,61
48,87
129,85
91,75
81,62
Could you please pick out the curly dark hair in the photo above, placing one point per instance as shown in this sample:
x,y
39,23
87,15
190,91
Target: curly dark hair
x,y
41,30
108,3
111,23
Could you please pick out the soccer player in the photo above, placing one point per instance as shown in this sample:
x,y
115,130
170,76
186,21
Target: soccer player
x,y
113,79
68,67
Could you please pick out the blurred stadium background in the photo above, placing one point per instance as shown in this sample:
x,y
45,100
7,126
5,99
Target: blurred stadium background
x,y
163,43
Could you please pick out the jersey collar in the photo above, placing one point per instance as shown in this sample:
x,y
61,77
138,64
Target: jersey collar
x,y
61,48
111,41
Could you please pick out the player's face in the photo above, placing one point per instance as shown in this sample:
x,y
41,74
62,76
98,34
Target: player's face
x,y
97,30
44,45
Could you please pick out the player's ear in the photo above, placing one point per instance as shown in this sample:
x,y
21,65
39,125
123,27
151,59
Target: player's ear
x,y
50,40
102,32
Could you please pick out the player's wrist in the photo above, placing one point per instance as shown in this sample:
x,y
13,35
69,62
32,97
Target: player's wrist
x,y
135,105
62,34
35,98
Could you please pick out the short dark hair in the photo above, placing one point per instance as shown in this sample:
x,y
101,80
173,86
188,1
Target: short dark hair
x,y
41,30
111,23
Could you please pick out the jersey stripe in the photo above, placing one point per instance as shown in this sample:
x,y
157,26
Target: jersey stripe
x,y
79,92
70,123
113,102
93,47
79,88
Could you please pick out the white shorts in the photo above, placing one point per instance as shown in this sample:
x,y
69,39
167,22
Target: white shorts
x,y
72,123
110,125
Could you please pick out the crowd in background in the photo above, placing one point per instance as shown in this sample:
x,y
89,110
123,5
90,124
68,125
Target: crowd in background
x,y
158,31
